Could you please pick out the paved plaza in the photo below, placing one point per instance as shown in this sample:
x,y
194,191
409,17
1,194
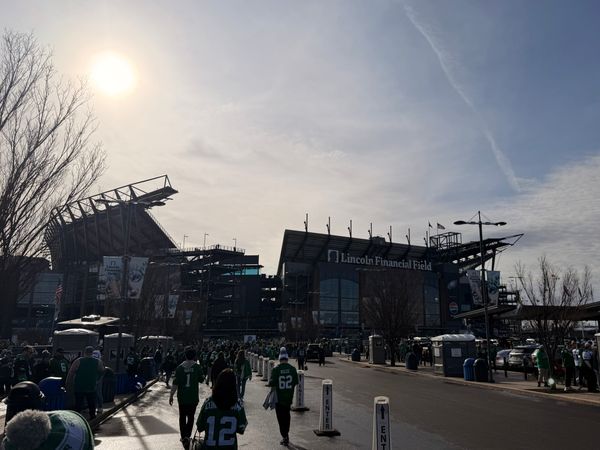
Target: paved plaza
x,y
428,412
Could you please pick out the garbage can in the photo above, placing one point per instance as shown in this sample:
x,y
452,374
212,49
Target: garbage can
x,y
54,393
147,369
468,370
109,385
480,369
121,383
411,361
23,395
355,355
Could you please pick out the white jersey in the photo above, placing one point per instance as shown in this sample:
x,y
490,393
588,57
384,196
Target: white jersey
x,y
577,357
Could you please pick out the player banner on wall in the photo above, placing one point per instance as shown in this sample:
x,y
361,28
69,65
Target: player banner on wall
x,y
111,274
172,306
475,283
492,279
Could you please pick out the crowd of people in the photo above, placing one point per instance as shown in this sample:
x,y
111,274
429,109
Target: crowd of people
x,y
223,365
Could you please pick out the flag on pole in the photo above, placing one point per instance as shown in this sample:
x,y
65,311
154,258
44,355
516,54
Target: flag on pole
x,y
440,226
430,226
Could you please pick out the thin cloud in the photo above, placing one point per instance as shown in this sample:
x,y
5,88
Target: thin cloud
x,y
447,61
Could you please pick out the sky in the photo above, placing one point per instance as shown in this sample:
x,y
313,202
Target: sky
x,y
396,113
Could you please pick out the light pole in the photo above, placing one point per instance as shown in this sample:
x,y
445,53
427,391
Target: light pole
x,y
483,286
125,274
204,244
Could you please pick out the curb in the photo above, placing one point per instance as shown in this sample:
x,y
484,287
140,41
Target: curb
x,y
99,420
475,384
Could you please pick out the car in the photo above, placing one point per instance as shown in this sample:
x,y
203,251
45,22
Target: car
x,y
520,354
502,357
312,352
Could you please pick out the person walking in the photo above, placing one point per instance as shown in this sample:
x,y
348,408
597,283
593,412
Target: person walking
x,y
301,357
284,379
188,376
243,373
99,398
543,366
578,361
169,365
217,367
59,365
569,364
83,377
222,416
321,355
41,369
587,367
22,365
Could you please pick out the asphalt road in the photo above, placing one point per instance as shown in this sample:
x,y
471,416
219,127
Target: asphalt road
x,y
426,414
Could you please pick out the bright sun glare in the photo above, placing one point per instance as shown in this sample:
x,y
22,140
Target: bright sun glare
x,y
112,74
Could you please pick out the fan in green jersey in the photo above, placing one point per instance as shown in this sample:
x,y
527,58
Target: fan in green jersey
x,y
222,416
284,379
187,377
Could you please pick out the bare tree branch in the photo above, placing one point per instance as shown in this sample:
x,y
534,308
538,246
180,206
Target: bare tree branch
x,y
46,157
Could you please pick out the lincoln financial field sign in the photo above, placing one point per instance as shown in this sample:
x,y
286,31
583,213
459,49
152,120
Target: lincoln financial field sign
x,y
335,256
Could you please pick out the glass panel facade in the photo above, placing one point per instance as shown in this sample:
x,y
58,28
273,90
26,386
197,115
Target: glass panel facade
x,y
339,303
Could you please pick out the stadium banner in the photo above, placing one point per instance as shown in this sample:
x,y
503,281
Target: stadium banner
x,y
475,283
109,277
111,274
492,278
159,302
172,306
137,271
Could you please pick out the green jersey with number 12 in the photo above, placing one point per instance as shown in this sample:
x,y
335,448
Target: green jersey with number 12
x,y
187,377
220,426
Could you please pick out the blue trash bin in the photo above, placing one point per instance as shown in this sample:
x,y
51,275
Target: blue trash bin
x,y
121,383
468,370
56,396
411,362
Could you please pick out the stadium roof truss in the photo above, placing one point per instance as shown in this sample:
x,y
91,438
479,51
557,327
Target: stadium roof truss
x,y
96,226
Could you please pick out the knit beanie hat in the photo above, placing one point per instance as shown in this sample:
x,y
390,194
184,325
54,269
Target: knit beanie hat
x,y
283,354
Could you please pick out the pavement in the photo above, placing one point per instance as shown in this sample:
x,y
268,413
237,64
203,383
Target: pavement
x,y
512,381
427,412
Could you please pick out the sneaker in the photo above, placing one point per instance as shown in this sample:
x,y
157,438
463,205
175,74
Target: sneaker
x,y
185,442
566,389
285,441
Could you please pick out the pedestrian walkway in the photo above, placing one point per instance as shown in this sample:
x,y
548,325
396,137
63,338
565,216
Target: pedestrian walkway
x,y
514,381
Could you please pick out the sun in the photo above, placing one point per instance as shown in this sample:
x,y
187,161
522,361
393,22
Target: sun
x,y
112,74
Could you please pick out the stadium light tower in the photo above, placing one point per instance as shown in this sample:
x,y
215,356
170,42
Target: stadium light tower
x,y
483,287
125,274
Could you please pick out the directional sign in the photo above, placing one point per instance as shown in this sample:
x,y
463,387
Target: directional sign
x,y
382,439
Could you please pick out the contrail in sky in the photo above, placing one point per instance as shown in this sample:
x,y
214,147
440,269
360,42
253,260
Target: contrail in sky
x,y
445,60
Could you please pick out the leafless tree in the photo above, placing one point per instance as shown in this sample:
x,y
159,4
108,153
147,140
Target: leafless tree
x,y
556,294
46,155
391,304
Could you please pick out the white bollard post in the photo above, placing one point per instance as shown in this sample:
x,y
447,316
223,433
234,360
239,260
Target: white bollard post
x,y
382,435
259,368
271,367
253,362
265,369
326,416
299,405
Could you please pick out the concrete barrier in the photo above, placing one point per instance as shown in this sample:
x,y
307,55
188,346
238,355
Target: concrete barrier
x,y
299,405
265,369
271,366
326,416
259,366
382,437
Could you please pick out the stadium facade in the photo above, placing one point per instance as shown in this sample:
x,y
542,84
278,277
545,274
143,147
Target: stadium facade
x,y
327,279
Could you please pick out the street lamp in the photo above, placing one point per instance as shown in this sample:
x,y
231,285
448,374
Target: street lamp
x,y
125,274
483,287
